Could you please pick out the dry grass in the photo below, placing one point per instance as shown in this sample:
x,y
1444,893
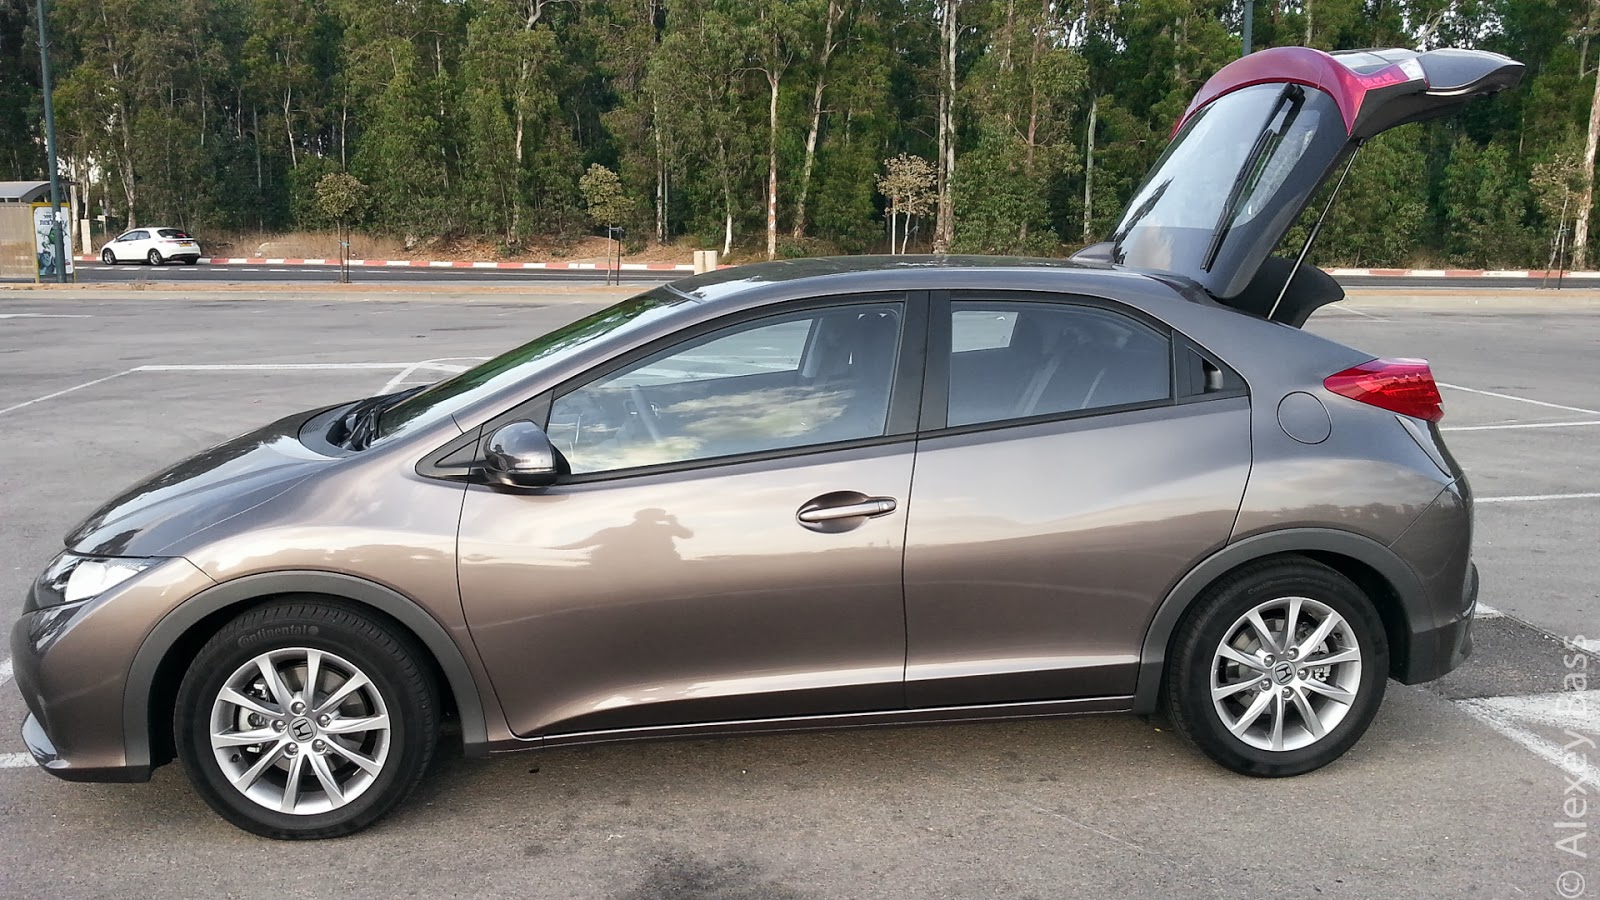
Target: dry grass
x,y
320,245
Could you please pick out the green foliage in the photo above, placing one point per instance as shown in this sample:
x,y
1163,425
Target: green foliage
x,y
485,117
602,196
341,197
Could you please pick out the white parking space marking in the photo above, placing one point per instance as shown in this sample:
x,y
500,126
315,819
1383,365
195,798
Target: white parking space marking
x,y
15,761
76,387
1577,409
450,364
1509,426
1485,611
45,316
1356,312
1538,498
270,367
5,672
1575,713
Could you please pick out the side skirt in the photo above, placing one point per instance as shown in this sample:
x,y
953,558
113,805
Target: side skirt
x,y
994,712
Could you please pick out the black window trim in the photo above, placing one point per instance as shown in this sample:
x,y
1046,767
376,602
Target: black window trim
x,y
900,425
936,385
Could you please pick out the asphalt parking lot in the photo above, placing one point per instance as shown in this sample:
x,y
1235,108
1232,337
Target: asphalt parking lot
x,y
1457,791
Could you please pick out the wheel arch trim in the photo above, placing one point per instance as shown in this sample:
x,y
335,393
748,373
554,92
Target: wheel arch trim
x,y
1407,587
175,624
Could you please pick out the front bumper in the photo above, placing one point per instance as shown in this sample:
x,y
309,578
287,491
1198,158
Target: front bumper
x,y
71,665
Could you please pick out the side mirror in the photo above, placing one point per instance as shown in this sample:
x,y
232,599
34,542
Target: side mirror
x,y
519,454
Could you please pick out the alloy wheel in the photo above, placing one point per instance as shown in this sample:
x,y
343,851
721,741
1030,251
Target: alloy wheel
x,y
300,731
1286,674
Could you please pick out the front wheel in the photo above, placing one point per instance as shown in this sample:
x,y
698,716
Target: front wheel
x,y
308,719
107,257
155,258
1278,669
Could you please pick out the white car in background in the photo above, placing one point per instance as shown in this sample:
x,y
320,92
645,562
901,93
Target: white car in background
x,y
155,245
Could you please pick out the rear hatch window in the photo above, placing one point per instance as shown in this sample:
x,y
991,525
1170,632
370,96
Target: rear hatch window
x,y
175,234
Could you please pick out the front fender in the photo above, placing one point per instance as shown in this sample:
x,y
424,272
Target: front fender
x,y
458,674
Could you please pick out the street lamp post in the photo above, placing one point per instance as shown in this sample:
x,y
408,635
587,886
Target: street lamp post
x,y
50,149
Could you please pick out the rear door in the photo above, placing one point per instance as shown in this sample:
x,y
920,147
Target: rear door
x,y
1263,134
1072,467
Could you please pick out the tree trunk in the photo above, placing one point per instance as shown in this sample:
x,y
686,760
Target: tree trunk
x,y
727,200
1580,227
1033,100
772,167
891,227
1308,23
1088,169
835,12
288,124
661,172
944,223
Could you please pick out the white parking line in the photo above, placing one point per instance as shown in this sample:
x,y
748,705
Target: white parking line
x,y
1575,713
76,387
1538,498
442,364
5,671
15,761
1516,425
270,367
1579,409
44,316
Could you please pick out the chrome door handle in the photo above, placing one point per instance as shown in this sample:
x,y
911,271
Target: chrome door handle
x,y
873,506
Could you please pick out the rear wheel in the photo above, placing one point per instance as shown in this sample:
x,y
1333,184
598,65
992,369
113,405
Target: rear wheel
x,y
154,257
107,257
306,720
1278,669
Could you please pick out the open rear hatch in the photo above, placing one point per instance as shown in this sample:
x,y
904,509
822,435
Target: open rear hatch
x,y
1257,142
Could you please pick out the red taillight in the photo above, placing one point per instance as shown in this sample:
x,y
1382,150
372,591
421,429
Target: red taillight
x,y
1404,386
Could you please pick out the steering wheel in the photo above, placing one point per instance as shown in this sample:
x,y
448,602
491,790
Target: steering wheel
x,y
647,413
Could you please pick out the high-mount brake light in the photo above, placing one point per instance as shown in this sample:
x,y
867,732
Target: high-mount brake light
x,y
1403,386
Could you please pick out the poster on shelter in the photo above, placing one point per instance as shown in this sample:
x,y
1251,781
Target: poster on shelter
x,y
44,242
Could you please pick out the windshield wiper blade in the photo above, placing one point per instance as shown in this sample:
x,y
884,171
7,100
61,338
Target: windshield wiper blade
x,y
361,422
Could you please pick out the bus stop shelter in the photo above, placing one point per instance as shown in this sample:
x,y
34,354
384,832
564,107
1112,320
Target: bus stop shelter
x,y
26,251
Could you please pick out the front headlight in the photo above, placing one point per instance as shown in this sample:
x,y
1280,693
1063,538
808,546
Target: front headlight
x,y
71,578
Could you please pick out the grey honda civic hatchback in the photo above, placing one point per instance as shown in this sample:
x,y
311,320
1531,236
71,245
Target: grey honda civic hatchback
x,y
813,494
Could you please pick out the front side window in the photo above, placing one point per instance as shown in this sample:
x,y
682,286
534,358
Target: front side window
x,y
816,377
1019,359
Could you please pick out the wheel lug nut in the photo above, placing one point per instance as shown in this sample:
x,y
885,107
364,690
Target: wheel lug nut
x,y
297,707
1269,660
277,725
1293,653
1287,693
292,749
322,720
320,747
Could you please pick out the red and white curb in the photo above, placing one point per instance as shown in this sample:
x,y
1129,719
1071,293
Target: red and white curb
x,y
431,264
1458,273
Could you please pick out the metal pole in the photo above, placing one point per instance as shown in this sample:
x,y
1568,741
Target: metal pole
x,y
50,148
1249,25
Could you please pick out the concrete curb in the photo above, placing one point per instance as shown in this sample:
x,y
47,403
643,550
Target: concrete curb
x,y
429,264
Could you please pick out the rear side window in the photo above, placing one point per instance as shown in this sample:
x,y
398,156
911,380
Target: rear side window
x,y
1021,359
137,236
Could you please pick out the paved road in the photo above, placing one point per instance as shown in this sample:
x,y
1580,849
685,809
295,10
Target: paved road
x,y
1446,796
96,273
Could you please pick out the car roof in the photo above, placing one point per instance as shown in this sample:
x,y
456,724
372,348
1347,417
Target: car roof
x,y
767,282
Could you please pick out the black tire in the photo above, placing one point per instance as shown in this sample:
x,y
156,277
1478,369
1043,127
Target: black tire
x,y
107,257
1216,615
154,258
374,645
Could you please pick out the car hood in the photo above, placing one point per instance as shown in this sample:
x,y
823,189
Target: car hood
x,y
203,491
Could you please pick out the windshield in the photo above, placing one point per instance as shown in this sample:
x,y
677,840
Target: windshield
x,y
445,398
1230,184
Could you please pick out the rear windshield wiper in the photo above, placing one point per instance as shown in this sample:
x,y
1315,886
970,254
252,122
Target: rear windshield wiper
x,y
356,428
1248,172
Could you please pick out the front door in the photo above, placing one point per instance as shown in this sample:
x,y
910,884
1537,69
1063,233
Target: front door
x,y
728,543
